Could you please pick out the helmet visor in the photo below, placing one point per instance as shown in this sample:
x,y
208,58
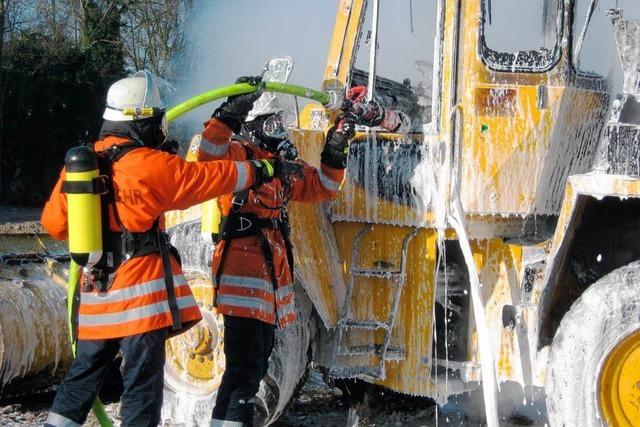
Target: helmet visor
x,y
275,126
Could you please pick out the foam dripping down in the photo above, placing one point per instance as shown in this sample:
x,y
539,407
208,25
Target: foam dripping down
x,y
489,383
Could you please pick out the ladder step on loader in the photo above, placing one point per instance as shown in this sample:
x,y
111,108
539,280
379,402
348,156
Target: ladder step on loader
x,y
383,352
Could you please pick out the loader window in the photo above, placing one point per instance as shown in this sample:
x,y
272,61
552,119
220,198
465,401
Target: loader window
x,y
521,35
405,56
596,54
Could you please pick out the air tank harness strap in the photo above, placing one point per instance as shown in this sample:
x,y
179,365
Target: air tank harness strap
x,y
163,241
237,225
95,186
133,245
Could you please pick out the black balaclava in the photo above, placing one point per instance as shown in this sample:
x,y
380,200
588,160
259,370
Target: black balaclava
x,y
146,131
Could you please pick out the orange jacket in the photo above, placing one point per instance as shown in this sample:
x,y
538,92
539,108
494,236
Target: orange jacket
x,y
147,183
246,287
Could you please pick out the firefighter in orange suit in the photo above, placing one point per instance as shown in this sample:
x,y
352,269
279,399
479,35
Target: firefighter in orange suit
x,y
253,262
138,296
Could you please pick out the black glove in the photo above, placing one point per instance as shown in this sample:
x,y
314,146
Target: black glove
x,y
233,112
170,146
264,170
336,148
286,169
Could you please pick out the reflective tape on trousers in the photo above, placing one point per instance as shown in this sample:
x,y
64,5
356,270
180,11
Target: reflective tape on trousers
x,y
119,295
133,314
224,423
58,420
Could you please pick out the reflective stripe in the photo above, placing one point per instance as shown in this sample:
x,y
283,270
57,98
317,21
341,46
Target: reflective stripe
x,y
225,423
284,311
328,183
283,291
217,150
245,282
243,175
136,313
118,295
58,420
246,302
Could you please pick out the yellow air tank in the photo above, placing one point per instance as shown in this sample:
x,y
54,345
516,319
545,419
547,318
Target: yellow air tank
x,y
83,199
210,226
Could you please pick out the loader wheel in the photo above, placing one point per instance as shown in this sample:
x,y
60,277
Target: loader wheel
x,y
594,367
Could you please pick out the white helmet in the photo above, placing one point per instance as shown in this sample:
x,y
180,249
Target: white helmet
x,y
137,97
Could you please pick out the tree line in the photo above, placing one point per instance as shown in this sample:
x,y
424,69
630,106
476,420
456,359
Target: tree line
x,y
57,60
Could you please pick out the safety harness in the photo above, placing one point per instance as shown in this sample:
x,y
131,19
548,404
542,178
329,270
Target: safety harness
x,y
120,246
244,224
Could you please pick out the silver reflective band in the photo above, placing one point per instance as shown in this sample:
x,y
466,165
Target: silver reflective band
x,y
328,183
225,423
214,149
58,420
287,310
245,302
136,313
245,282
118,295
243,175
283,291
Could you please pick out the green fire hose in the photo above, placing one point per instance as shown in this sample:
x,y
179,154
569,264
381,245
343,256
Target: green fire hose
x,y
325,98
72,300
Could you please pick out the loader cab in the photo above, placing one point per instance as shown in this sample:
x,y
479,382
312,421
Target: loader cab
x,y
506,100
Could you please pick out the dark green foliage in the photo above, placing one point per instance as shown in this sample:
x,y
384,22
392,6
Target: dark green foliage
x,y
53,100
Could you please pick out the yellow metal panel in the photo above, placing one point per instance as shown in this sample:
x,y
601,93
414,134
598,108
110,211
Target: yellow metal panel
x,y
372,298
317,264
499,270
523,134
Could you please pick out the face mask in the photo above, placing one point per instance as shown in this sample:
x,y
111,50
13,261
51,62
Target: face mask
x,y
274,127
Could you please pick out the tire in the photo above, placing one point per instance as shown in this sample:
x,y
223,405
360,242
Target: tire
x,y
605,314
188,400
288,365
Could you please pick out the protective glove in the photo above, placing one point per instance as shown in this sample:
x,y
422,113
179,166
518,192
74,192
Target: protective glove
x,y
264,170
170,146
286,169
233,112
336,147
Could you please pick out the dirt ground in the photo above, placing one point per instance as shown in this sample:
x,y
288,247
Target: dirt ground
x,y
316,405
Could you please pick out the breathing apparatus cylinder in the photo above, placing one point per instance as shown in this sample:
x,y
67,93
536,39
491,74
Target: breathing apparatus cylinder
x,y
83,206
210,225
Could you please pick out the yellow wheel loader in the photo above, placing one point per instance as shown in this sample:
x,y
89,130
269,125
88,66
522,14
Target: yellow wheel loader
x,y
494,248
